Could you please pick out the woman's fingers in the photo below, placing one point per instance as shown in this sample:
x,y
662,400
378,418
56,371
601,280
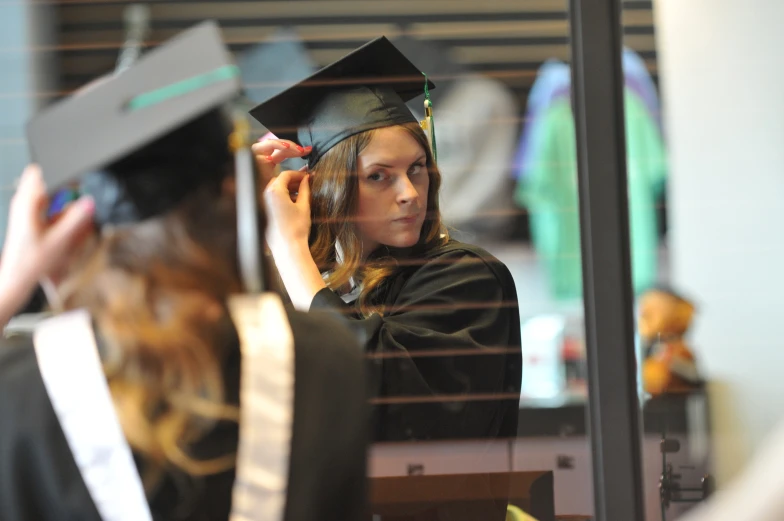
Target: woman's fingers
x,y
70,229
30,194
267,171
287,177
287,186
31,180
291,179
269,153
303,197
276,150
279,156
268,146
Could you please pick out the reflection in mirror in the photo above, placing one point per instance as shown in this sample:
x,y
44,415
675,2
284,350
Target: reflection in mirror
x,y
438,317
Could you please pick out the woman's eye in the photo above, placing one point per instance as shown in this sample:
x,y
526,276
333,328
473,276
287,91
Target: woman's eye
x,y
416,169
376,176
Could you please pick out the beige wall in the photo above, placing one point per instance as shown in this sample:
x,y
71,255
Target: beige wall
x,y
722,80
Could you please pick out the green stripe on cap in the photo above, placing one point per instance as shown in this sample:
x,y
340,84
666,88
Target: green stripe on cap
x,y
183,87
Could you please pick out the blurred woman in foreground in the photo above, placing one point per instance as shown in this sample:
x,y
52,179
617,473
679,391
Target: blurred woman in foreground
x,y
169,388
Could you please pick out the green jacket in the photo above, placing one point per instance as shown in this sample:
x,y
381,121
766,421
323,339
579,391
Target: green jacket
x,y
550,195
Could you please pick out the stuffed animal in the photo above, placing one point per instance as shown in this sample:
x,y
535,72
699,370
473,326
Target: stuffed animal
x,y
669,366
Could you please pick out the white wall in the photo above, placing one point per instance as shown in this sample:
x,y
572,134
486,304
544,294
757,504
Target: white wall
x,y
722,74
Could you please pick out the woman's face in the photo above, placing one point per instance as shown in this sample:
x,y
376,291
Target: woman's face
x,y
393,184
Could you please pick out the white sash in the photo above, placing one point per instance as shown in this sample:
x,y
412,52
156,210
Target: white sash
x,y
267,414
74,379
73,375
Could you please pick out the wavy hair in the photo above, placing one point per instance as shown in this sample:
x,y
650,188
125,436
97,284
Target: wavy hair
x,y
157,292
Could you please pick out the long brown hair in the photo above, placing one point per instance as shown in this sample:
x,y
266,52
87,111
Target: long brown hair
x,y
157,291
334,199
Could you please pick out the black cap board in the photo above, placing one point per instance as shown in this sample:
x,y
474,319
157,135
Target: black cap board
x,y
164,90
364,90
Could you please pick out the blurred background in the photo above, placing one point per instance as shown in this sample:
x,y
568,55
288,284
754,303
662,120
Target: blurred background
x,y
704,128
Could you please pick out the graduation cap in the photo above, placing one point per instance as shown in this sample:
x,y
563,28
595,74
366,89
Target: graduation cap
x,y
365,90
139,141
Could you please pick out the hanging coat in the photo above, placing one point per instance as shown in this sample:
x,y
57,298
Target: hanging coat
x,y
551,196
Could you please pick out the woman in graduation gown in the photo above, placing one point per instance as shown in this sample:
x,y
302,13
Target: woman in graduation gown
x,y
167,389
363,237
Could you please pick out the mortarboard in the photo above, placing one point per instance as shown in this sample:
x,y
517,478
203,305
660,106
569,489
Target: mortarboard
x,y
364,90
141,140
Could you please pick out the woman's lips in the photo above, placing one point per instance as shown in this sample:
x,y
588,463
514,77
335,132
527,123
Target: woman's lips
x,y
409,219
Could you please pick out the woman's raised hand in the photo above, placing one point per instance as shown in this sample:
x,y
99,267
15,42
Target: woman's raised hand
x,y
288,217
35,247
269,153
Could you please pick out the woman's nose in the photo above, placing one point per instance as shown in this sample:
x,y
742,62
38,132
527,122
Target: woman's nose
x,y
407,191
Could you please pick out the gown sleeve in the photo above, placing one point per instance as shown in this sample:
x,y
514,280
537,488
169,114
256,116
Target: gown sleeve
x,y
330,431
39,479
444,351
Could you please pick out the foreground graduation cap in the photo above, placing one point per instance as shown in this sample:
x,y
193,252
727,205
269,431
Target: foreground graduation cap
x,y
131,138
141,141
364,90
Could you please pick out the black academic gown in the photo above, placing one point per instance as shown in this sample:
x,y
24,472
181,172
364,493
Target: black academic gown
x,y
39,480
451,331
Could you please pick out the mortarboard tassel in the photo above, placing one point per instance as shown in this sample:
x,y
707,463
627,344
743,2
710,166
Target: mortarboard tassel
x,y
248,233
137,26
428,124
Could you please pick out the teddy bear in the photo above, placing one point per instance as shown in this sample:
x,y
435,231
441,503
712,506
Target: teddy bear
x,y
668,366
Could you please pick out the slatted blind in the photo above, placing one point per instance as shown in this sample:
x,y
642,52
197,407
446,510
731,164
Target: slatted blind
x,y
507,39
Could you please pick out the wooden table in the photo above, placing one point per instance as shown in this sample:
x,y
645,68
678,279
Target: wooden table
x,y
462,497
